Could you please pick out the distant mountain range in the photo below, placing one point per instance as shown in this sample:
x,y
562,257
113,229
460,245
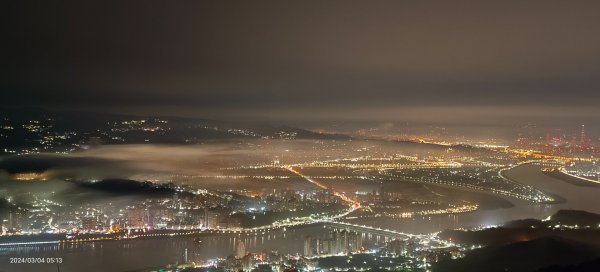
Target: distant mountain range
x,y
34,130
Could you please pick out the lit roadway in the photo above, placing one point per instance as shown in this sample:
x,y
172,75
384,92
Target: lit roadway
x,y
291,169
354,204
373,230
562,170
141,233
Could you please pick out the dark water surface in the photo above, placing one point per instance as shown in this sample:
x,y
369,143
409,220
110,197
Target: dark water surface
x,y
138,254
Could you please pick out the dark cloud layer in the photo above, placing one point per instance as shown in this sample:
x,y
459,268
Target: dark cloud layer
x,y
296,57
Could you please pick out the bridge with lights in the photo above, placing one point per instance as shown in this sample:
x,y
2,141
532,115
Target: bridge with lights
x,y
371,230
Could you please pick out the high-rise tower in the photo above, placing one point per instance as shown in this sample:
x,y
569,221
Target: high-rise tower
x,y
582,137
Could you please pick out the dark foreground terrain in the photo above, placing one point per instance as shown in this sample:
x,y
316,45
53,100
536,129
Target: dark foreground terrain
x,y
568,241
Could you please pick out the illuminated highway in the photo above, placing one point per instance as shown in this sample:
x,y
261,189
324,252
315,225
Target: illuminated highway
x,y
291,169
353,204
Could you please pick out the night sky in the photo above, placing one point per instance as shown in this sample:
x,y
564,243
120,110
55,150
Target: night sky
x,y
288,60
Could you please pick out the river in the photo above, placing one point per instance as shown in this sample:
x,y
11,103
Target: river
x,y
138,254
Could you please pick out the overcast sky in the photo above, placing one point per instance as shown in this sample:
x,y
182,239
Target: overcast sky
x,y
413,60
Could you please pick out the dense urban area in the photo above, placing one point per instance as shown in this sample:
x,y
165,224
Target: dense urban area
x,y
123,179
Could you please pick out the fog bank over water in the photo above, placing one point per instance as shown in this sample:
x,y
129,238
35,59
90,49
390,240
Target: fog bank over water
x,y
199,166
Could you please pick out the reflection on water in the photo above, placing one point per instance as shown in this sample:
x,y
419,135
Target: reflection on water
x,y
130,255
137,254
576,197
430,224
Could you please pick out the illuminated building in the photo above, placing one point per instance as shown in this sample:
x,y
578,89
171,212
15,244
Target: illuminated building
x,y
89,222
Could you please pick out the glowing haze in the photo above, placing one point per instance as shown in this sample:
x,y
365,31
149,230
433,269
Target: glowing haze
x,y
308,61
